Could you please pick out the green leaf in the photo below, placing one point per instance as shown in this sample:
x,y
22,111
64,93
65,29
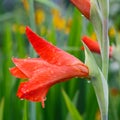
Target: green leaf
x,y
73,111
99,83
6,16
99,19
1,109
48,3
76,29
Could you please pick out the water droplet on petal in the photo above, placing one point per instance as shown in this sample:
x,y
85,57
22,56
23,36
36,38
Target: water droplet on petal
x,y
45,98
21,99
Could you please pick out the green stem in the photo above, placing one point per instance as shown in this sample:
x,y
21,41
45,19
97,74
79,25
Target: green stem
x,y
115,2
104,117
32,23
25,111
101,90
99,18
104,8
105,49
32,15
31,51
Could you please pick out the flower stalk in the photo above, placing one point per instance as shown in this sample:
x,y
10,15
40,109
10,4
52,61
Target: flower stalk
x,y
99,18
101,28
102,36
31,51
98,15
99,83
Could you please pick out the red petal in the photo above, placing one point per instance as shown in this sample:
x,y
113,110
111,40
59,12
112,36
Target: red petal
x,y
36,88
17,73
92,45
110,51
49,52
83,6
29,65
35,95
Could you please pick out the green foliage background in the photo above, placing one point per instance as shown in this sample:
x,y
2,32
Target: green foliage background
x,y
72,100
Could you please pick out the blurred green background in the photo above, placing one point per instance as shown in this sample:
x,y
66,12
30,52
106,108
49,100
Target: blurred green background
x,y
63,25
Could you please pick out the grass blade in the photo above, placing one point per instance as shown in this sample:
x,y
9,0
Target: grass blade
x,y
73,111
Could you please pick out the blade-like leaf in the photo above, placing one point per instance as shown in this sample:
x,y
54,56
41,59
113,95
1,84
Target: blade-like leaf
x,y
99,83
1,109
73,111
48,3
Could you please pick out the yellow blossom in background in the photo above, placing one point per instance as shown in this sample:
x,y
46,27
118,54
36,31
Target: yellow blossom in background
x,y
39,16
98,116
67,30
22,29
14,27
112,32
93,36
58,21
26,5
43,30
18,28
68,25
55,12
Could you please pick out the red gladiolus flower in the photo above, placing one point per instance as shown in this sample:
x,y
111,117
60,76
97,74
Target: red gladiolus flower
x,y
94,46
83,6
53,66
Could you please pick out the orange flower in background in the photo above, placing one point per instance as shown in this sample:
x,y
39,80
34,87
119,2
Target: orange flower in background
x,y
83,6
94,46
53,66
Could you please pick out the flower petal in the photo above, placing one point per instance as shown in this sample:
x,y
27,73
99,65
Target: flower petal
x,y
49,52
94,46
83,6
42,79
91,44
17,73
29,65
35,95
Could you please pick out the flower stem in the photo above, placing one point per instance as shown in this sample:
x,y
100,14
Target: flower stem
x,y
32,15
104,8
25,115
104,117
105,49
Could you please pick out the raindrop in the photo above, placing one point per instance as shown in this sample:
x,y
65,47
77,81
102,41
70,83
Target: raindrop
x,y
88,81
82,15
23,89
21,99
45,98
